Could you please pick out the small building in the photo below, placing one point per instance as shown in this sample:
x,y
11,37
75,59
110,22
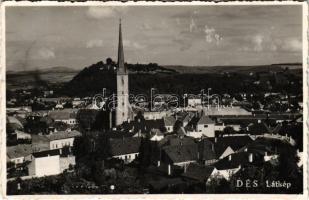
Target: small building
x,y
19,153
45,163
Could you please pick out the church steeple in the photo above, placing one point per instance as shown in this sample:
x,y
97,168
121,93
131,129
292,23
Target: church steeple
x,y
121,67
122,111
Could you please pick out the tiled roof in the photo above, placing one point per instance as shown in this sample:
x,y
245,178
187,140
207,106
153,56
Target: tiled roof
x,y
121,146
181,153
205,120
63,135
62,114
174,140
20,150
206,150
198,172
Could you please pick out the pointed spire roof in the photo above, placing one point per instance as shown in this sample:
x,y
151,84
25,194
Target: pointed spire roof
x,y
121,67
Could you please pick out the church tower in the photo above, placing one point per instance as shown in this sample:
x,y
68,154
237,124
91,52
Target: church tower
x,y
122,110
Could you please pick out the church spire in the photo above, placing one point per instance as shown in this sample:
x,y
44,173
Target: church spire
x,y
121,67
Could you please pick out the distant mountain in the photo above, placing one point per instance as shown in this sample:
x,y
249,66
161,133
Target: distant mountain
x,y
58,69
230,69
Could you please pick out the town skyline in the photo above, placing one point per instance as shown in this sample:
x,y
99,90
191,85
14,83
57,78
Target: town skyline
x,y
191,37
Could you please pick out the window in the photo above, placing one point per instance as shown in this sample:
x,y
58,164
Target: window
x,y
205,126
123,114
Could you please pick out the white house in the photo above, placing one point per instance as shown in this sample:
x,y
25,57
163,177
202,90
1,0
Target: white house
x,y
61,139
45,163
206,126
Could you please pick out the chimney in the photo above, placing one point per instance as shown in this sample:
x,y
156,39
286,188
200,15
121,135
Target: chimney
x,y
60,151
265,153
158,163
250,157
185,168
169,169
110,120
230,157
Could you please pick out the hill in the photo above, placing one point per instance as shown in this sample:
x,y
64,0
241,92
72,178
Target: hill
x,y
142,77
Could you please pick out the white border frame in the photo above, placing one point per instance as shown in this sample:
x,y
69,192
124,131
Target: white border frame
x,y
151,196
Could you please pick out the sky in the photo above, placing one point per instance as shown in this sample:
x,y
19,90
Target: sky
x,y
76,37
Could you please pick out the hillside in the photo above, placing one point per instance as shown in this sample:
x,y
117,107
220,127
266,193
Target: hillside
x,y
91,80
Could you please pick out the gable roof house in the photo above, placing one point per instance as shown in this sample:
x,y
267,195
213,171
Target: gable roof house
x,y
126,149
225,146
180,155
199,174
17,154
67,116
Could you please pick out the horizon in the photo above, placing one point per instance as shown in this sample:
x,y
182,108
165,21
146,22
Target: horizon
x,y
77,69
179,36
